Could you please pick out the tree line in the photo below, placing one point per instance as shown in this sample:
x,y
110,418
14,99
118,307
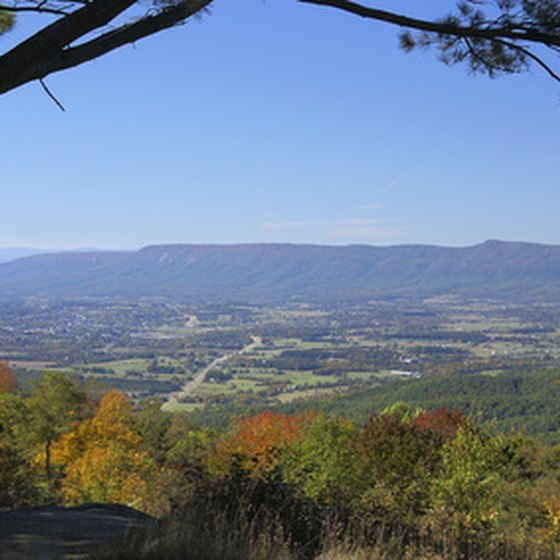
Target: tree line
x,y
426,481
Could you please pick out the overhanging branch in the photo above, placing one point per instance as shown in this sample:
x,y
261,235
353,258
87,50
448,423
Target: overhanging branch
x,y
441,27
50,49
126,34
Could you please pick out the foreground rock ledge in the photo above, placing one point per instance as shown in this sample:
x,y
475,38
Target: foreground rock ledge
x,y
53,533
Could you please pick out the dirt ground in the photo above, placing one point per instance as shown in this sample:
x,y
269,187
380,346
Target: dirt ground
x,y
51,533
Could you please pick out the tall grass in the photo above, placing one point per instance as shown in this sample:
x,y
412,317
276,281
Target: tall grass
x,y
262,522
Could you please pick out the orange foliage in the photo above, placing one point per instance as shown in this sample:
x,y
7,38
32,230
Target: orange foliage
x,y
257,441
7,378
102,458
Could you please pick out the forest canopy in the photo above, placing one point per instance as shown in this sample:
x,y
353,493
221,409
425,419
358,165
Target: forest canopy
x,y
406,480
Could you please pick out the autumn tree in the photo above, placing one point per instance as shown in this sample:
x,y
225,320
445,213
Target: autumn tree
x,y
441,422
255,444
7,378
103,458
491,37
395,460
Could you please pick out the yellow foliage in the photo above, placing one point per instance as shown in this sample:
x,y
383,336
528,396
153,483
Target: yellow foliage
x,y
103,459
552,506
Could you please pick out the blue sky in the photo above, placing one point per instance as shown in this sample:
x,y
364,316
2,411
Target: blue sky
x,y
270,121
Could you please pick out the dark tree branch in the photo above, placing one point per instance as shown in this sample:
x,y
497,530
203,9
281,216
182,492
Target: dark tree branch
x,y
491,45
126,34
50,49
30,59
531,35
35,9
512,31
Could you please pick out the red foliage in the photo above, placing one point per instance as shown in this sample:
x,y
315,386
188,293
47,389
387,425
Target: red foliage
x,y
397,448
441,421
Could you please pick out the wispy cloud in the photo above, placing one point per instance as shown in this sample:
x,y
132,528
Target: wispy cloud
x,y
400,178
364,229
342,230
290,226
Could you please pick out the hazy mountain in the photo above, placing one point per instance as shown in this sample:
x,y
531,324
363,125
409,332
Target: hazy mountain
x,y
279,273
8,254
11,253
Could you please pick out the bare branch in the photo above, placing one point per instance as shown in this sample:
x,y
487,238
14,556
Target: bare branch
x,y
51,95
35,9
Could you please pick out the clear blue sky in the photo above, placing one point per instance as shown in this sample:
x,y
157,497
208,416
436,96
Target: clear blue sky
x,y
271,121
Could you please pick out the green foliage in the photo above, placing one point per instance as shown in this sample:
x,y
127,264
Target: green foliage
x,y
56,402
484,54
153,425
193,446
17,478
424,485
408,481
469,487
520,403
321,460
7,21
394,461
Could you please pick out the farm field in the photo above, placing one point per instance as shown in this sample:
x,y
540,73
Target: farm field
x,y
154,348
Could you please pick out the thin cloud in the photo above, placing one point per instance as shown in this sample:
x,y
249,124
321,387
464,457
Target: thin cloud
x,y
342,230
397,180
373,206
363,229
290,226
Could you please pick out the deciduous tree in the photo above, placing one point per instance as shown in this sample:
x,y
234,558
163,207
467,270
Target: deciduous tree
x,y
7,378
254,446
103,459
321,461
56,404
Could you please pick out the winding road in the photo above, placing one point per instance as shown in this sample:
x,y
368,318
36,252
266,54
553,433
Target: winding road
x,y
194,383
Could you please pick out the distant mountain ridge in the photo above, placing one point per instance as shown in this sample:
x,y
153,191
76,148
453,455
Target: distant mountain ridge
x,y
11,253
8,254
264,273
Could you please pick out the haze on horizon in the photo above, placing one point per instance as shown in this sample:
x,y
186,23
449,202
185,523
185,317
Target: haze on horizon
x,y
277,122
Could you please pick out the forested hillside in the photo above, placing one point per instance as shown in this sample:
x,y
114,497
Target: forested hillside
x,y
264,273
524,403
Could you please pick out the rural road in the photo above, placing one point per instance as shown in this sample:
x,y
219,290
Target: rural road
x,y
192,385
